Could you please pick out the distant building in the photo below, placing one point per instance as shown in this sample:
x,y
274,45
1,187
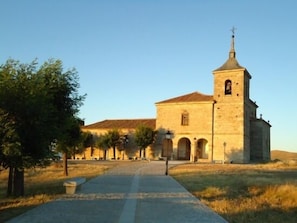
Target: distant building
x,y
222,127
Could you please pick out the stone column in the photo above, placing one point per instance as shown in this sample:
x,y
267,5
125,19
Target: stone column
x,y
193,149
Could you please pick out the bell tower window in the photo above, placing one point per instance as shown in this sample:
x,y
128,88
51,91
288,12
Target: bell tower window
x,y
228,87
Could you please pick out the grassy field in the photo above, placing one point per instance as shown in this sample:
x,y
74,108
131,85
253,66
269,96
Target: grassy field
x,y
43,185
244,193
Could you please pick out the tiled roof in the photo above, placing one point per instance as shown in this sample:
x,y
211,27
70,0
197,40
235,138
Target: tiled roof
x,y
122,124
192,97
230,64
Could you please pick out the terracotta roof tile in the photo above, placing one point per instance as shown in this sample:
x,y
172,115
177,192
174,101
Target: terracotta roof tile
x,y
122,124
192,97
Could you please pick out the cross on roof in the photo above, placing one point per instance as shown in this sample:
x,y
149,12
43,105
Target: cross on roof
x,y
233,30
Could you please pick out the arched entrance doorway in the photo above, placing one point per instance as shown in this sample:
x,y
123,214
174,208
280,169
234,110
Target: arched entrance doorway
x,y
202,149
184,149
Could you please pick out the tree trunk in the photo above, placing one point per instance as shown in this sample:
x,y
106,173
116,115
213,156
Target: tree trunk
x,y
140,153
105,154
18,182
114,153
92,151
65,164
10,181
144,154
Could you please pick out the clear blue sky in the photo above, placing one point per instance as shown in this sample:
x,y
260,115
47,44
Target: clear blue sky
x,y
130,54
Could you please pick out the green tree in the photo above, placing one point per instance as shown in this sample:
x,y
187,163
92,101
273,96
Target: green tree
x,y
111,139
103,143
35,106
123,142
9,146
144,136
72,136
114,140
87,140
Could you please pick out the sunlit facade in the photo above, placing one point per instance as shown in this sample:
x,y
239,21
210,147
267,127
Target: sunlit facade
x,y
223,127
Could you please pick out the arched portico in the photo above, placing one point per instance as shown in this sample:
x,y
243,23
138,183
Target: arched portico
x,y
202,150
184,149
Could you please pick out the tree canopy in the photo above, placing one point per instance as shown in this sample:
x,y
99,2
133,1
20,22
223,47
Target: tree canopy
x,y
36,104
111,139
144,136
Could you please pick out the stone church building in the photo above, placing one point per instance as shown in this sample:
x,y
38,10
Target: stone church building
x,y
223,127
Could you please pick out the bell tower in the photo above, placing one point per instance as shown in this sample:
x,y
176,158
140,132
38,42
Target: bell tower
x,y
233,110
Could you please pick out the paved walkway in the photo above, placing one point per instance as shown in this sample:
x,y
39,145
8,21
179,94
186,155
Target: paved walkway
x,y
134,192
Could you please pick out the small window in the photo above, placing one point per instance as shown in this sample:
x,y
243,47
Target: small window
x,y
185,118
228,87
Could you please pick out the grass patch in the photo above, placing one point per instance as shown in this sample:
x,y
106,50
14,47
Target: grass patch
x,y
244,193
43,185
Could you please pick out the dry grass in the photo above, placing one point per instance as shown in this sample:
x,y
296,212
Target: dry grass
x,y
240,193
43,185
283,155
244,193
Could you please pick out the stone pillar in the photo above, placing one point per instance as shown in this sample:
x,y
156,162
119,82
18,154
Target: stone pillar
x,y
193,150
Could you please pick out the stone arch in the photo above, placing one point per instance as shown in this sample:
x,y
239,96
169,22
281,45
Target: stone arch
x,y
228,87
184,149
202,150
